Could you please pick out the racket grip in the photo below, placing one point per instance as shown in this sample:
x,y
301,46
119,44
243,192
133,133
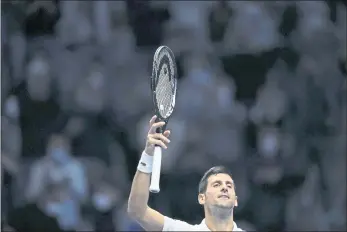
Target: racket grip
x,y
156,168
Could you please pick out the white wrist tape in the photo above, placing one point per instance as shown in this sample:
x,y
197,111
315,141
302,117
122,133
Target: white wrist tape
x,y
145,163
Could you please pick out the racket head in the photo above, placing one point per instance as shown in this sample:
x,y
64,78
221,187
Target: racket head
x,y
164,82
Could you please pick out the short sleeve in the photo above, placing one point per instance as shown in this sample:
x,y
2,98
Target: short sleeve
x,y
176,225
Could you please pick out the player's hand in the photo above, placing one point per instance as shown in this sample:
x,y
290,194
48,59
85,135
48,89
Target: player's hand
x,y
154,138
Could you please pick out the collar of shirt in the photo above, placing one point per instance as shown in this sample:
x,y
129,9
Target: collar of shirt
x,y
205,228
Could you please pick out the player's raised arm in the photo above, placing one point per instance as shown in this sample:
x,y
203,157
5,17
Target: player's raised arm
x,y
138,208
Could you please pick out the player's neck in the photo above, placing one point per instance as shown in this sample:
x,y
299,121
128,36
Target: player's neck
x,y
219,219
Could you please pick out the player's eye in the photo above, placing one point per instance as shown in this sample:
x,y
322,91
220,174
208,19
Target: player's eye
x,y
216,185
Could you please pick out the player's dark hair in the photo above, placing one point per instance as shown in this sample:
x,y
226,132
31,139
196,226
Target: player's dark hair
x,y
212,171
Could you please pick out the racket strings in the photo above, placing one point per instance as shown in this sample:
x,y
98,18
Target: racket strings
x,y
164,93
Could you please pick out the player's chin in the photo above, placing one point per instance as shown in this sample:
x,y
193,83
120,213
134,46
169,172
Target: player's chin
x,y
226,205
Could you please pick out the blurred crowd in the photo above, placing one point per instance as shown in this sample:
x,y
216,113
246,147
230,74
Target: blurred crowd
x,y
262,90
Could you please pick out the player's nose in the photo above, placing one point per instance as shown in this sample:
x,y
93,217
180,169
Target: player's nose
x,y
224,189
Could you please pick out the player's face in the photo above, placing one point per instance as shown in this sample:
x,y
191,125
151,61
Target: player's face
x,y
219,192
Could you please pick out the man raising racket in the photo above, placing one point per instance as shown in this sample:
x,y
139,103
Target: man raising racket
x,y
216,194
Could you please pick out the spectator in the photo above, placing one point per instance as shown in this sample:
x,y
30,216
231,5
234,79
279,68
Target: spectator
x,y
11,139
218,21
268,120
13,38
134,77
74,27
105,199
17,46
266,164
304,209
270,95
70,69
192,16
326,93
233,112
120,49
321,57
89,136
40,112
245,36
56,166
118,166
66,209
333,172
11,142
38,215
89,95
299,114
313,18
102,21
87,123
187,32
198,79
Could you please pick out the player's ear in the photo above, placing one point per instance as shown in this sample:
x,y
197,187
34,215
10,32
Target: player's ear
x,y
236,203
201,198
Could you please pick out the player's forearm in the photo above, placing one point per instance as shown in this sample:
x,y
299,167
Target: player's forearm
x,y
139,194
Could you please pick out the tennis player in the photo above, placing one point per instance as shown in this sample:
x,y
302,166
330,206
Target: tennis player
x,y
216,194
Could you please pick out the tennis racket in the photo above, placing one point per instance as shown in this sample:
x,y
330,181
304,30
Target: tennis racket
x,y
163,86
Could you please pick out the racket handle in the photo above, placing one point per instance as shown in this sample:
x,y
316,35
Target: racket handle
x,y
156,168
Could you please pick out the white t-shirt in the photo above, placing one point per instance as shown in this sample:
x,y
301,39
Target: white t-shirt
x,y
177,225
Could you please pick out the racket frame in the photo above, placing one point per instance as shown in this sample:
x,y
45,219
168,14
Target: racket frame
x,y
157,157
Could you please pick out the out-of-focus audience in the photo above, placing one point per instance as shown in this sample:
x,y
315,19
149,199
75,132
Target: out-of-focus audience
x,y
262,90
60,168
45,213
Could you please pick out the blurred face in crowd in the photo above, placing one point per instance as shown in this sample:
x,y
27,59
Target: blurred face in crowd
x,y
315,66
308,66
75,126
59,149
220,192
313,17
243,35
268,142
105,197
196,68
39,78
90,94
11,108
